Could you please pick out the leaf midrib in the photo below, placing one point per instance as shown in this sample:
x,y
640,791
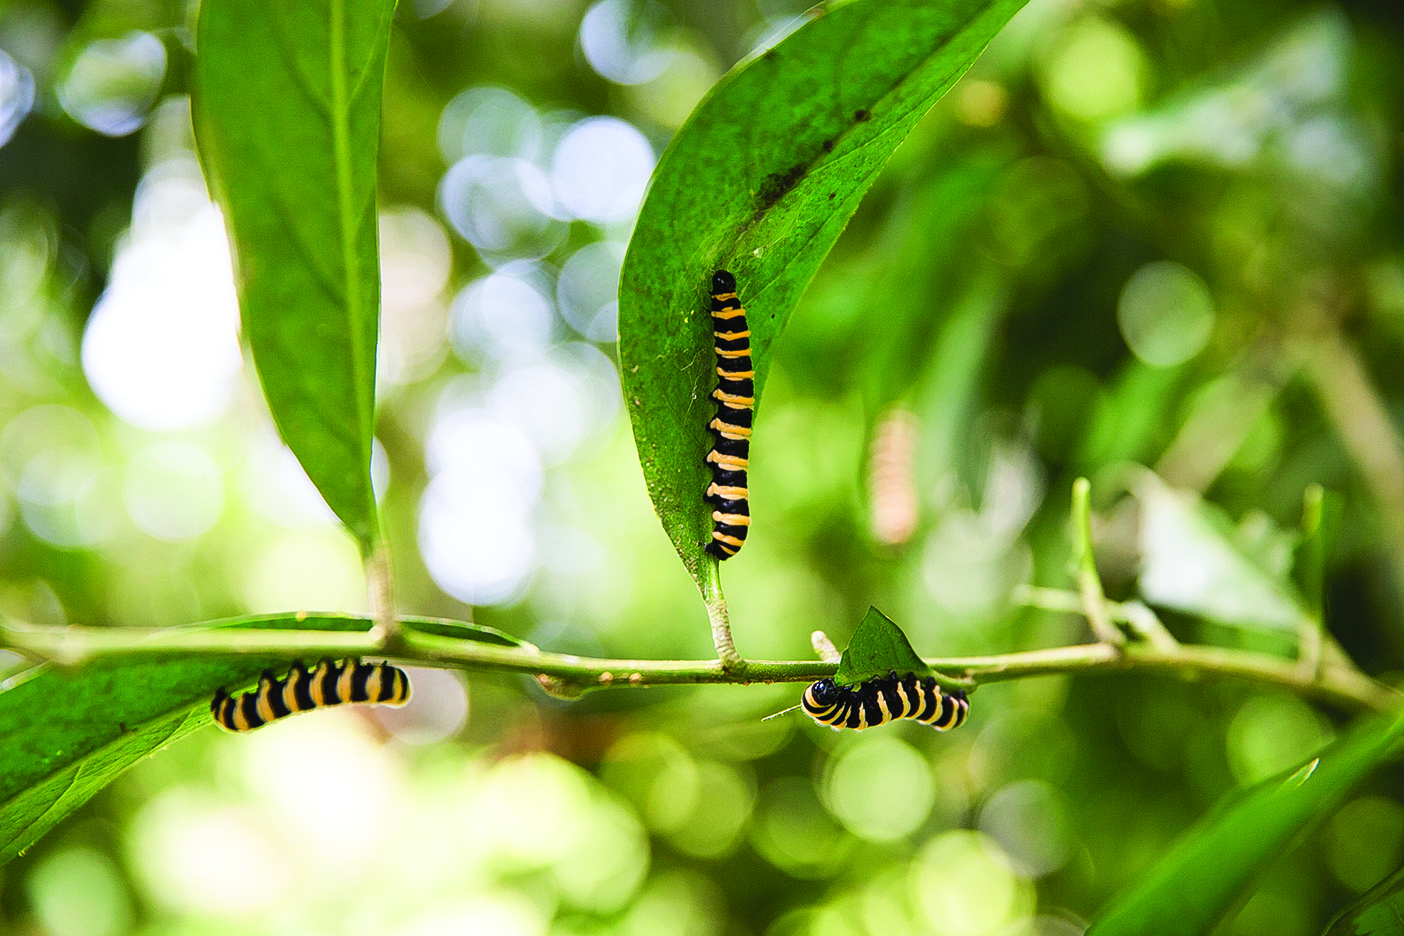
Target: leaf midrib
x,y
346,215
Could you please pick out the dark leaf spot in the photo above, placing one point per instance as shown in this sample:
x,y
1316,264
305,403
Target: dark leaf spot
x,y
776,185
828,146
862,115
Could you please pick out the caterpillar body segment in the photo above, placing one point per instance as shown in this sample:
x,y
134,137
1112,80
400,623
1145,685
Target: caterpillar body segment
x,y
735,396
349,682
879,701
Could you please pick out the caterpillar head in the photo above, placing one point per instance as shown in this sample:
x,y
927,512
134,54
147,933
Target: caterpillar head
x,y
723,282
824,692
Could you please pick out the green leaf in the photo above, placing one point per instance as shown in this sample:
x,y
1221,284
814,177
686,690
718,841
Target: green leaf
x,y
761,181
1210,869
1193,559
461,630
878,647
1379,913
287,116
100,719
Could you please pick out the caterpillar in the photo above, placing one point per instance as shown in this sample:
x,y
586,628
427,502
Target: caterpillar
x,y
879,701
893,503
348,682
736,400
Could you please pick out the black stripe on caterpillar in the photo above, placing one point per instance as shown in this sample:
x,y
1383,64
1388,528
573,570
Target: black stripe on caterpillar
x,y
878,701
735,396
346,683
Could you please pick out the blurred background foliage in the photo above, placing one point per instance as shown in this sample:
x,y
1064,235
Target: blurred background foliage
x,y
1161,233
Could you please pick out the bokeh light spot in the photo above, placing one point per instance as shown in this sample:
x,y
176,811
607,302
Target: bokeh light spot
x,y
500,913
476,515
502,317
881,788
502,206
617,37
173,490
415,258
112,84
437,709
1029,821
600,169
1365,841
1166,313
588,290
52,458
560,401
793,831
313,771
16,96
962,885
488,121
79,892
1273,733
317,568
195,855
1094,71
161,347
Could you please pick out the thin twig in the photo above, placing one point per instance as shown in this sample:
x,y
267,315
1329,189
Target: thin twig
x,y
1089,583
1311,627
1345,687
1361,419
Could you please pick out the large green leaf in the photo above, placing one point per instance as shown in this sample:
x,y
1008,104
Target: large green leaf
x,y
99,720
287,116
761,181
1211,868
878,647
1379,913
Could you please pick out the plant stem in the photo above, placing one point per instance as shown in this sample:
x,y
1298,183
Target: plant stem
x,y
1361,418
1089,583
1341,686
382,601
731,661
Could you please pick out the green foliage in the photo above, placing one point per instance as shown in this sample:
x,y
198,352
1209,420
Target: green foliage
x,y
984,285
761,181
1208,871
97,721
1380,912
878,647
1241,572
297,182
102,718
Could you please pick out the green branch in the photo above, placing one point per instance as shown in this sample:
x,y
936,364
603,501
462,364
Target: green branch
x,y
1338,685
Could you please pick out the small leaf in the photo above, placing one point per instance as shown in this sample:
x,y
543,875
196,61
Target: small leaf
x,y
100,719
1209,870
287,115
761,182
461,630
878,647
1194,560
1380,912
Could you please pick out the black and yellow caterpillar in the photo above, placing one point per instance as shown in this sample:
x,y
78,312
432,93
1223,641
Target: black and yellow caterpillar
x,y
736,401
347,682
879,701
